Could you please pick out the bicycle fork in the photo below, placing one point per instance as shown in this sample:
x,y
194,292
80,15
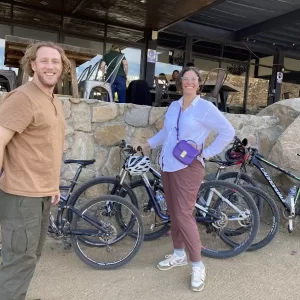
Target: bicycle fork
x,y
292,215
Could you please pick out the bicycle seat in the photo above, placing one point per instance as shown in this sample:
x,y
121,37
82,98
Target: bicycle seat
x,y
80,162
221,162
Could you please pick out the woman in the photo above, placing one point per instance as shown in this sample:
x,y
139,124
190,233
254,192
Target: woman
x,y
198,118
175,75
172,86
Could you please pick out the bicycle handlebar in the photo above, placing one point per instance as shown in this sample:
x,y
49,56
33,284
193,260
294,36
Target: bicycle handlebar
x,y
128,148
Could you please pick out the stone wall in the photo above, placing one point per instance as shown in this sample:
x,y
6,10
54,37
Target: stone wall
x,y
93,130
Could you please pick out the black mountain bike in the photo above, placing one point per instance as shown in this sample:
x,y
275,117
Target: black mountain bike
x,y
254,158
268,210
100,229
222,207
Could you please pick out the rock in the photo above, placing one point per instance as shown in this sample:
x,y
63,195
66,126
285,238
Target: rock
x,y
66,107
109,135
82,147
68,172
81,115
141,135
113,164
285,151
123,107
267,138
286,110
101,157
87,174
105,112
138,116
69,128
157,113
159,124
75,100
68,142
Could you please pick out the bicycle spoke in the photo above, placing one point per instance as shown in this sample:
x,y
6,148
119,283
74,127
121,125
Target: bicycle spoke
x,y
235,209
113,245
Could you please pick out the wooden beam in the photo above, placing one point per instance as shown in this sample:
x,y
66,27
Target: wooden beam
x,y
277,22
70,15
74,84
77,6
202,31
209,5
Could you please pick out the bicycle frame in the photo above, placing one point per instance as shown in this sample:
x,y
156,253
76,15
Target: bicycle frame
x,y
256,159
58,224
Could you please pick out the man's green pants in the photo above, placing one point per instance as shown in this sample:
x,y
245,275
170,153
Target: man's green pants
x,y
24,224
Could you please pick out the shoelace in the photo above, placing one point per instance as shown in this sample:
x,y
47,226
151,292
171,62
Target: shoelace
x,y
198,272
171,257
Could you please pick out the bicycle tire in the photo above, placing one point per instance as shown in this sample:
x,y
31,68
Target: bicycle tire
x,y
97,181
111,265
233,175
236,250
229,175
275,221
164,228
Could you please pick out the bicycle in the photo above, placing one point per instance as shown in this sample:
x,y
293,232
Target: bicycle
x,y
268,210
212,216
254,158
95,226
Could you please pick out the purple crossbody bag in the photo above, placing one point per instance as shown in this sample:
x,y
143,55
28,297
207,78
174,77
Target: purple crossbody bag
x,y
183,151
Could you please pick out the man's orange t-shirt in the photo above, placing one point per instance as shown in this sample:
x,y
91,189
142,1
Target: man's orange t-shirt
x,y
32,158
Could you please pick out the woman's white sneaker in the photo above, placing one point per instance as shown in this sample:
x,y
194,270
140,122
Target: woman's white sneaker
x,y
172,261
198,278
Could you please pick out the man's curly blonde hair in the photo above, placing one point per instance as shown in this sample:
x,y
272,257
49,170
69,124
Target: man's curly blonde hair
x,y
30,55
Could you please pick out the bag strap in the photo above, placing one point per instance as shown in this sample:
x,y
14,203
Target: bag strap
x,y
177,130
177,127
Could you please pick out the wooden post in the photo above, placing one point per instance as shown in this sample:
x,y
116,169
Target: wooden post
x,y
74,85
59,87
25,78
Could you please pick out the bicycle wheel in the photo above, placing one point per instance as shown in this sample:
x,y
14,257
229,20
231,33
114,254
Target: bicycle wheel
x,y
236,209
269,221
245,179
97,187
147,211
115,247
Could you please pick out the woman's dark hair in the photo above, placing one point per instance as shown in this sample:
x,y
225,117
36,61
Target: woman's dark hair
x,y
181,74
175,71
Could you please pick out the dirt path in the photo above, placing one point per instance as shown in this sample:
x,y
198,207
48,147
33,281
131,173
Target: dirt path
x,y
271,273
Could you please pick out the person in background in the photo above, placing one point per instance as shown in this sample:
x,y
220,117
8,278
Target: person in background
x,y
181,182
32,134
175,75
119,84
173,80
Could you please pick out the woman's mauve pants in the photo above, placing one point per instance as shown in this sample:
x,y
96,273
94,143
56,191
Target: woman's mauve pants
x,y
181,188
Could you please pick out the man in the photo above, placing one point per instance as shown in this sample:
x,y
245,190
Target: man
x,y
32,129
119,84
